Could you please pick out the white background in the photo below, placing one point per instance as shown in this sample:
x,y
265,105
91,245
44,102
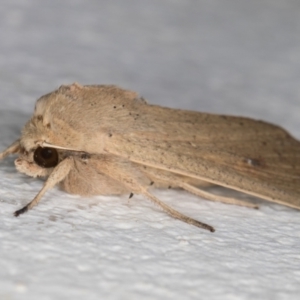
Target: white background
x,y
236,57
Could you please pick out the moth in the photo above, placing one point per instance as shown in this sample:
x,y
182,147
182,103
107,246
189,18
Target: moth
x,y
103,140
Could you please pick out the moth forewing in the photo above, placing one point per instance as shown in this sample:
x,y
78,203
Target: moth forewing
x,y
272,174
106,140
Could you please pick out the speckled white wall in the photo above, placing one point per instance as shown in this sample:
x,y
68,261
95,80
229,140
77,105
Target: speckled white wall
x,y
234,57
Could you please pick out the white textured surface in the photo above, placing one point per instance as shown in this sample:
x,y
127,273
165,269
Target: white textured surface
x,y
234,57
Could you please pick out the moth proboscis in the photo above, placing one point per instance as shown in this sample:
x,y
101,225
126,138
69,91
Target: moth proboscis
x,y
103,140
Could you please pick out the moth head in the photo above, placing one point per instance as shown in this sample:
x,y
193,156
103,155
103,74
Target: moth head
x,y
37,162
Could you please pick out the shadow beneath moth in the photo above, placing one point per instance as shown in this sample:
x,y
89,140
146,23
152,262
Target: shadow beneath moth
x,y
104,140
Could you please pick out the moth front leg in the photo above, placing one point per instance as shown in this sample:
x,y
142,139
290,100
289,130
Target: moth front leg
x,y
57,175
12,149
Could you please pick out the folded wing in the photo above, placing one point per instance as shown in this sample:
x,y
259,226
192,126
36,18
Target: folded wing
x,y
243,154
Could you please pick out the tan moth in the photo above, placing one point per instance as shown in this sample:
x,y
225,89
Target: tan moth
x,y
101,140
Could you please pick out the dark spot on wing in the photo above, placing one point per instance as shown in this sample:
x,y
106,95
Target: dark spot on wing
x,y
254,162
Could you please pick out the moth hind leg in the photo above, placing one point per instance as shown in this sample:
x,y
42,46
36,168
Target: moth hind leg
x,y
166,178
210,196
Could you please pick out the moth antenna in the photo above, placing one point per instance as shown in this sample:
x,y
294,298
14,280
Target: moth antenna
x,y
176,214
44,144
13,148
57,175
213,197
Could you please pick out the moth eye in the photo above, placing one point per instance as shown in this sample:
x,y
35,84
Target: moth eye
x,y
46,157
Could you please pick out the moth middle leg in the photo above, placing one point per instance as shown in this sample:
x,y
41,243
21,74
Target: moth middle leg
x,y
129,175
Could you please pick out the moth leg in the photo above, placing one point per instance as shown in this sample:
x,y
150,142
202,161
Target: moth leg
x,y
169,178
57,175
213,197
176,214
131,179
13,148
